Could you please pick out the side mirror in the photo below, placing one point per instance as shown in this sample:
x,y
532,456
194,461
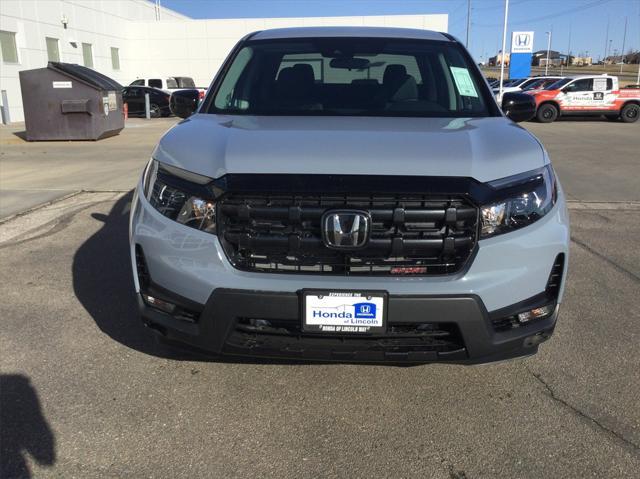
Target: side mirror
x,y
518,106
184,103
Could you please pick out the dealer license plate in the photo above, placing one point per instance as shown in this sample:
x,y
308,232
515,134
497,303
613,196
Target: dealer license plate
x,y
343,311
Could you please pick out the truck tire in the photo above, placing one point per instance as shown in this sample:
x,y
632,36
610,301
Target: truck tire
x,y
547,113
630,113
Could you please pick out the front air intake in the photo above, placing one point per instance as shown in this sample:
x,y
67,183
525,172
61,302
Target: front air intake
x,y
555,277
141,268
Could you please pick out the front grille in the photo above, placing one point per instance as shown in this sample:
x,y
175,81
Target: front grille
x,y
410,234
403,341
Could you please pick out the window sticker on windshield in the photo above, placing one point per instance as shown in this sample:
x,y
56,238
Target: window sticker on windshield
x,y
599,84
463,82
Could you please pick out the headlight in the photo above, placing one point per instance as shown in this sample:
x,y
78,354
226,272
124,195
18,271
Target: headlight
x,y
180,195
528,197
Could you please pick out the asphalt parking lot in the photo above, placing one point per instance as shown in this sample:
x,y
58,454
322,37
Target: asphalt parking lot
x,y
86,392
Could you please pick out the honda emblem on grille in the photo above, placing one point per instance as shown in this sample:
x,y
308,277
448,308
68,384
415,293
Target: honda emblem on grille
x,y
346,229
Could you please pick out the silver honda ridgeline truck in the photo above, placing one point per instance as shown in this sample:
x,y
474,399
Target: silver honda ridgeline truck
x,y
351,194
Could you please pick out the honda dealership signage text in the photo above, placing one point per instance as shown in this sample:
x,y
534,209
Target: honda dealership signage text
x,y
521,51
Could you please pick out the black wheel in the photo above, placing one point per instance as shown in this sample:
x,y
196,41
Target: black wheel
x,y
612,117
547,113
630,113
155,111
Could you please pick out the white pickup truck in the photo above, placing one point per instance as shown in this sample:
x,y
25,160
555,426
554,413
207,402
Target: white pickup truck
x,y
169,84
587,96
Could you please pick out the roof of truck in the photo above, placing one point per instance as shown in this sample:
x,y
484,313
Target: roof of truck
x,y
578,77
356,32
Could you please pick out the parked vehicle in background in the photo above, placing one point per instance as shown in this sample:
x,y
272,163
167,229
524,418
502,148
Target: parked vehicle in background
x,y
169,84
351,194
541,83
511,82
519,84
587,96
133,96
491,80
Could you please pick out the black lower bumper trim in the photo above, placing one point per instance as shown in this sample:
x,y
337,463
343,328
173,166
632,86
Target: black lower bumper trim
x,y
420,329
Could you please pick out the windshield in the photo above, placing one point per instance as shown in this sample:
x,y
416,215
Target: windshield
x,y
559,84
351,76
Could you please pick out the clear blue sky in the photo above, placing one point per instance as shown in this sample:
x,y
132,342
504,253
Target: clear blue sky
x,y
586,18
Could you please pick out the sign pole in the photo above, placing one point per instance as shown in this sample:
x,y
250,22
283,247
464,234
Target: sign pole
x,y
624,39
568,53
606,45
468,22
546,66
504,46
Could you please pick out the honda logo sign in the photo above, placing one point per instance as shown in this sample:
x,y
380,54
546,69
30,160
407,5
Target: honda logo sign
x,y
346,229
522,42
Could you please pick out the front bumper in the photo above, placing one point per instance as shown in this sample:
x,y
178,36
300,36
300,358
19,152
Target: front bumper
x,y
462,330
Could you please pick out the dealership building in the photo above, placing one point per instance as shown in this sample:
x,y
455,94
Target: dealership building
x,y
129,39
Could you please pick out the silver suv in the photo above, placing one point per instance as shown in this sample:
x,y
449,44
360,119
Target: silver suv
x,y
351,194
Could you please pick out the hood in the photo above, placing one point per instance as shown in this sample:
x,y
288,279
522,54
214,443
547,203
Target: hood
x,y
481,148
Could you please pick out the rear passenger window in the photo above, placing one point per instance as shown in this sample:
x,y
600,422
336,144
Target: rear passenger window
x,y
380,63
316,63
585,84
155,83
323,71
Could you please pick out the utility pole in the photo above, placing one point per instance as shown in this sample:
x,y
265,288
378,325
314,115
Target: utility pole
x,y
504,47
638,78
546,67
610,45
624,39
568,52
468,22
606,44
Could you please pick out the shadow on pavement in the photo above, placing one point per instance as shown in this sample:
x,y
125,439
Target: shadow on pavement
x,y
103,282
572,118
23,428
21,134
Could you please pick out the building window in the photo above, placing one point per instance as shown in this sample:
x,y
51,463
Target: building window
x,y
53,50
8,47
87,55
115,58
